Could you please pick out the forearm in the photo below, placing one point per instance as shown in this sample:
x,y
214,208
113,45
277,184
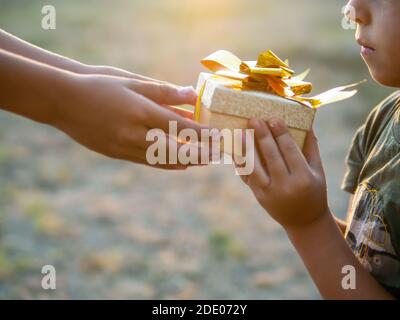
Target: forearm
x,y
325,252
31,89
18,46
10,43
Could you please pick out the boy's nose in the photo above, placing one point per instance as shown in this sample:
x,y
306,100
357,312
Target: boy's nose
x,y
358,12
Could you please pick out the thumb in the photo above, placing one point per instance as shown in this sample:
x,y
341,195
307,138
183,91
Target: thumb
x,y
311,151
164,93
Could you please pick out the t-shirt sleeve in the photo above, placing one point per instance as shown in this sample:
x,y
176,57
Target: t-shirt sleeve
x,y
354,162
364,140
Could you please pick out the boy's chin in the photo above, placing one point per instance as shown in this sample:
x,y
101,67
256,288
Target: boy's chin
x,y
385,79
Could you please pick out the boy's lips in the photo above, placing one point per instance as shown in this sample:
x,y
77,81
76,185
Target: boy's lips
x,y
366,49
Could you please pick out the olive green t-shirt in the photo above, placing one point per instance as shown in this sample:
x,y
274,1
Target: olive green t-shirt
x,y
373,176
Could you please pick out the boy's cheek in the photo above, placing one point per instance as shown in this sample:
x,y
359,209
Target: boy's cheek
x,y
384,65
386,71
394,61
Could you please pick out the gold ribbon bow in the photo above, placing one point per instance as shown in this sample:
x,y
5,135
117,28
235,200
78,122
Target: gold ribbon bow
x,y
269,74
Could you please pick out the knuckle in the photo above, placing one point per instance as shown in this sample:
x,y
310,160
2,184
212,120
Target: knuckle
x,y
305,183
271,155
265,141
288,143
141,116
265,145
166,90
262,183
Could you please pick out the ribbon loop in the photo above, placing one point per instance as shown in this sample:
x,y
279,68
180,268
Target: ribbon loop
x,y
273,75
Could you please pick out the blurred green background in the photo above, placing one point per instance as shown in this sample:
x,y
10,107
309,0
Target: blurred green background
x,y
117,230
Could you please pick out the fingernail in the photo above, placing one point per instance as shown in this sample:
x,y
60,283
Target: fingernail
x,y
274,122
277,126
187,91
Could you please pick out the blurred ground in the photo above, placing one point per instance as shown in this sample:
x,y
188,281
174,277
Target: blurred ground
x,y
116,230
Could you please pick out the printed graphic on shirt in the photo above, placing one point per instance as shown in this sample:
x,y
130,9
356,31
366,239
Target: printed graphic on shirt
x,y
369,237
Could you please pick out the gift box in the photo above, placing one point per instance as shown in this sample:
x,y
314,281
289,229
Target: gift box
x,y
224,107
238,91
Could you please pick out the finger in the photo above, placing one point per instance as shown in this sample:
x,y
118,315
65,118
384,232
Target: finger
x,y
144,78
157,166
258,178
238,155
121,73
160,118
136,155
166,150
169,168
291,153
239,149
269,150
182,112
311,151
164,93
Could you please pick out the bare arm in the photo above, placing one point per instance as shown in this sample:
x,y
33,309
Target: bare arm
x,y
29,88
325,252
292,189
13,44
18,46
110,115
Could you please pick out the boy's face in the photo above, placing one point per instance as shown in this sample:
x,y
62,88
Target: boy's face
x,y
378,33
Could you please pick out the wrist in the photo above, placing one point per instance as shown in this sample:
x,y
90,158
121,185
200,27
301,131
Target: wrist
x,y
66,90
313,229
